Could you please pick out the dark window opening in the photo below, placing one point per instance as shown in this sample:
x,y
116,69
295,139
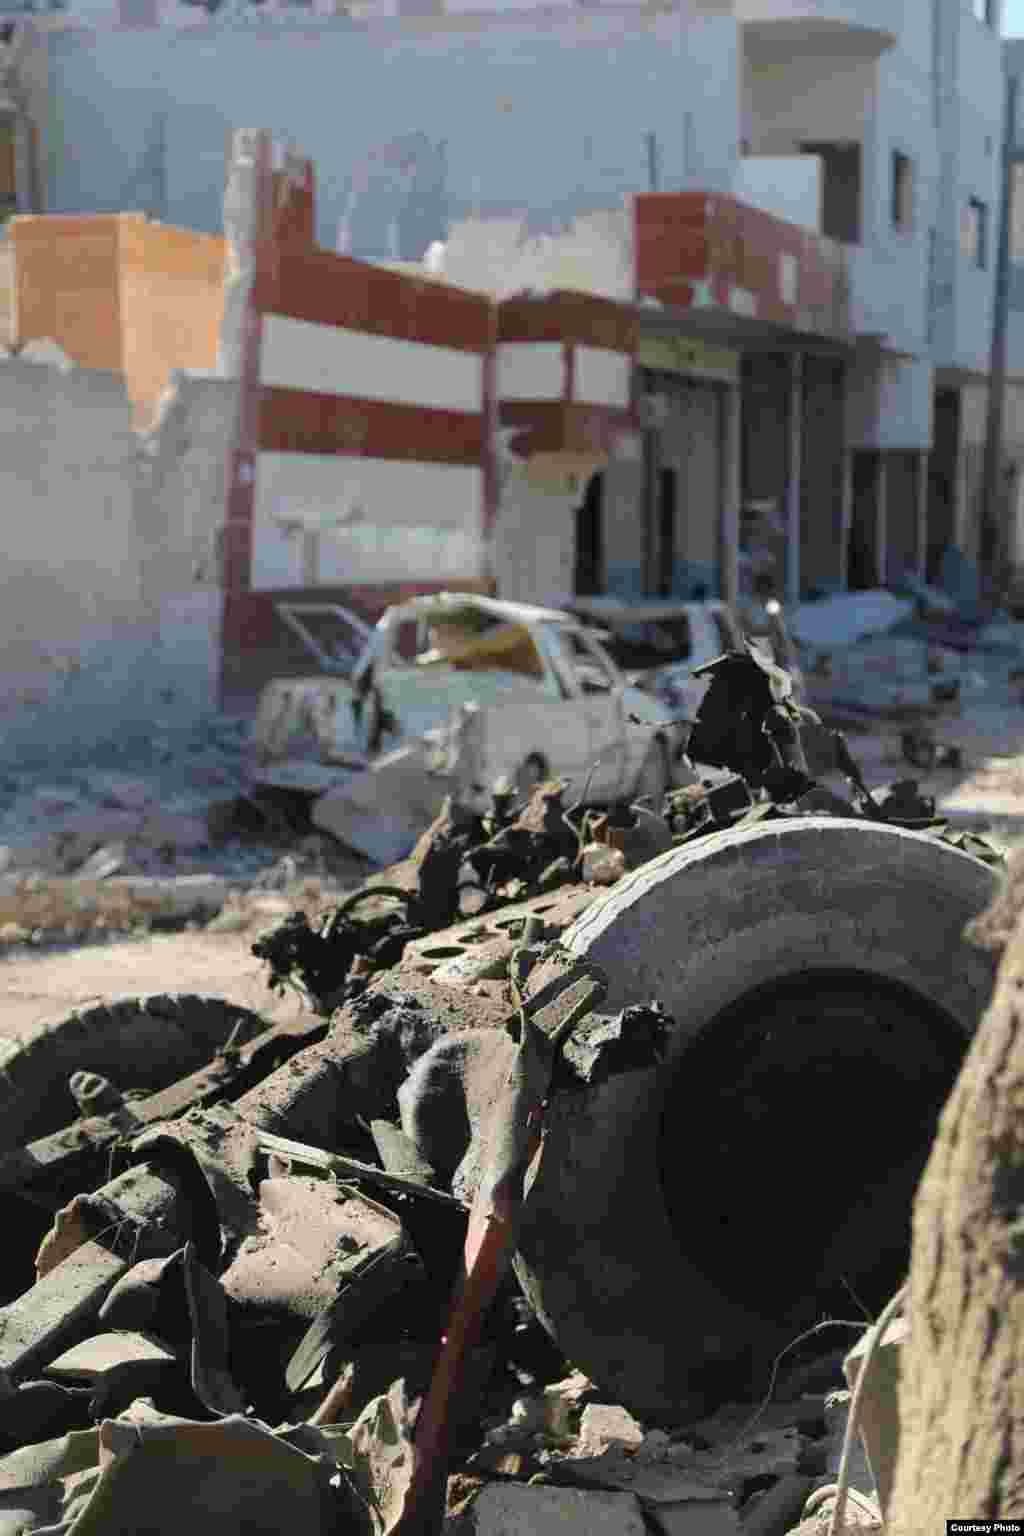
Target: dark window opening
x,y
840,190
668,481
974,241
902,209
589,576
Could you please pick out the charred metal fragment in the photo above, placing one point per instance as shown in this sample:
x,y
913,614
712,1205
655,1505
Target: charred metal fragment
x,y
749,723
605,1046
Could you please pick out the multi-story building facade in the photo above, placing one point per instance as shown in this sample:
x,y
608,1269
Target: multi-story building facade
x,y
798,199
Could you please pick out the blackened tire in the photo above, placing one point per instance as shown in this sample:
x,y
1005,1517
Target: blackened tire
x,y
635,1295
143,1043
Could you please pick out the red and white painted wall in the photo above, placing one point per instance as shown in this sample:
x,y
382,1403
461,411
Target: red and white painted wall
x,y
372,405
360,465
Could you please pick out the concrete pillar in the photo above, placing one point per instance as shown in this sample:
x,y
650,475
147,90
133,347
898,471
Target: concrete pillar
x,y
650,531
794,468
922,513
961,509
731,493
882,521
845,520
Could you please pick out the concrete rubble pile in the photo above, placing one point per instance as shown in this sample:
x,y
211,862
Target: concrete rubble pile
x,y
287,1254
149,834
877,656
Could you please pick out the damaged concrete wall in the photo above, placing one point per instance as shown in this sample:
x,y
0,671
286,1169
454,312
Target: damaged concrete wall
x,y
111,607
117,292
171,298
535,540
6,290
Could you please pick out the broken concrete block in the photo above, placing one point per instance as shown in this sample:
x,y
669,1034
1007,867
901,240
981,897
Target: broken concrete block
x,y
47,352
675,1500
106,861
695,1518
504,1509
186,896
603,1426
564,1402
89,1359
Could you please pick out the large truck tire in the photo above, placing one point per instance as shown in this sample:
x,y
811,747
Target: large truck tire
x,y
684,1224
140,1043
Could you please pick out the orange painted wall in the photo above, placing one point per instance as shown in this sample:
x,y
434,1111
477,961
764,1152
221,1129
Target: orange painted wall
x,y
115,291
66,285
171,302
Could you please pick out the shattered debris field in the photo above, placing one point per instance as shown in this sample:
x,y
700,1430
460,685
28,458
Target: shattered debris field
x,y
507,1189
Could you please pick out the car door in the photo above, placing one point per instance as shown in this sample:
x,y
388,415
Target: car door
x,y
598,698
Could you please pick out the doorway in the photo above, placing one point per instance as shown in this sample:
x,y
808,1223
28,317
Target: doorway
x,y
588,580
942,480
667,499
839,212
862,560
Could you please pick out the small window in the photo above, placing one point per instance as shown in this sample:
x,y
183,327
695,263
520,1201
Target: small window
x,y
985,12
974,233
902,191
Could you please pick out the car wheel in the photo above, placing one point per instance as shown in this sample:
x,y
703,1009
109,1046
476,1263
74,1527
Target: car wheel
x,y
655,777
685,1222
530,773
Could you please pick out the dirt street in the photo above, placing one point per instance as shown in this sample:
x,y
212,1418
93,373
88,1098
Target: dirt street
x,y
40,986
45,986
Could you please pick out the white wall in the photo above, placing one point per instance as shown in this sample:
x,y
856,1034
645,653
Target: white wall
x,y
889,403
970,137
534,541
375,518
788,186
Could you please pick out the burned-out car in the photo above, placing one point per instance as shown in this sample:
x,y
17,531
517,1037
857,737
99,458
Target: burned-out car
x,y
659,643
547,698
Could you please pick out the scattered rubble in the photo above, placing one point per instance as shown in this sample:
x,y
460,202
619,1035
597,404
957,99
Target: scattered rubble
x,y
295,1252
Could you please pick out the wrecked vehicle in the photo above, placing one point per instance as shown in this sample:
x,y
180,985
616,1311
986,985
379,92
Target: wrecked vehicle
x,y
319,1226
335,636
536,689
660,644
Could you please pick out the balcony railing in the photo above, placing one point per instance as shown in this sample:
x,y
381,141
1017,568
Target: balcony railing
x,y
698,250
